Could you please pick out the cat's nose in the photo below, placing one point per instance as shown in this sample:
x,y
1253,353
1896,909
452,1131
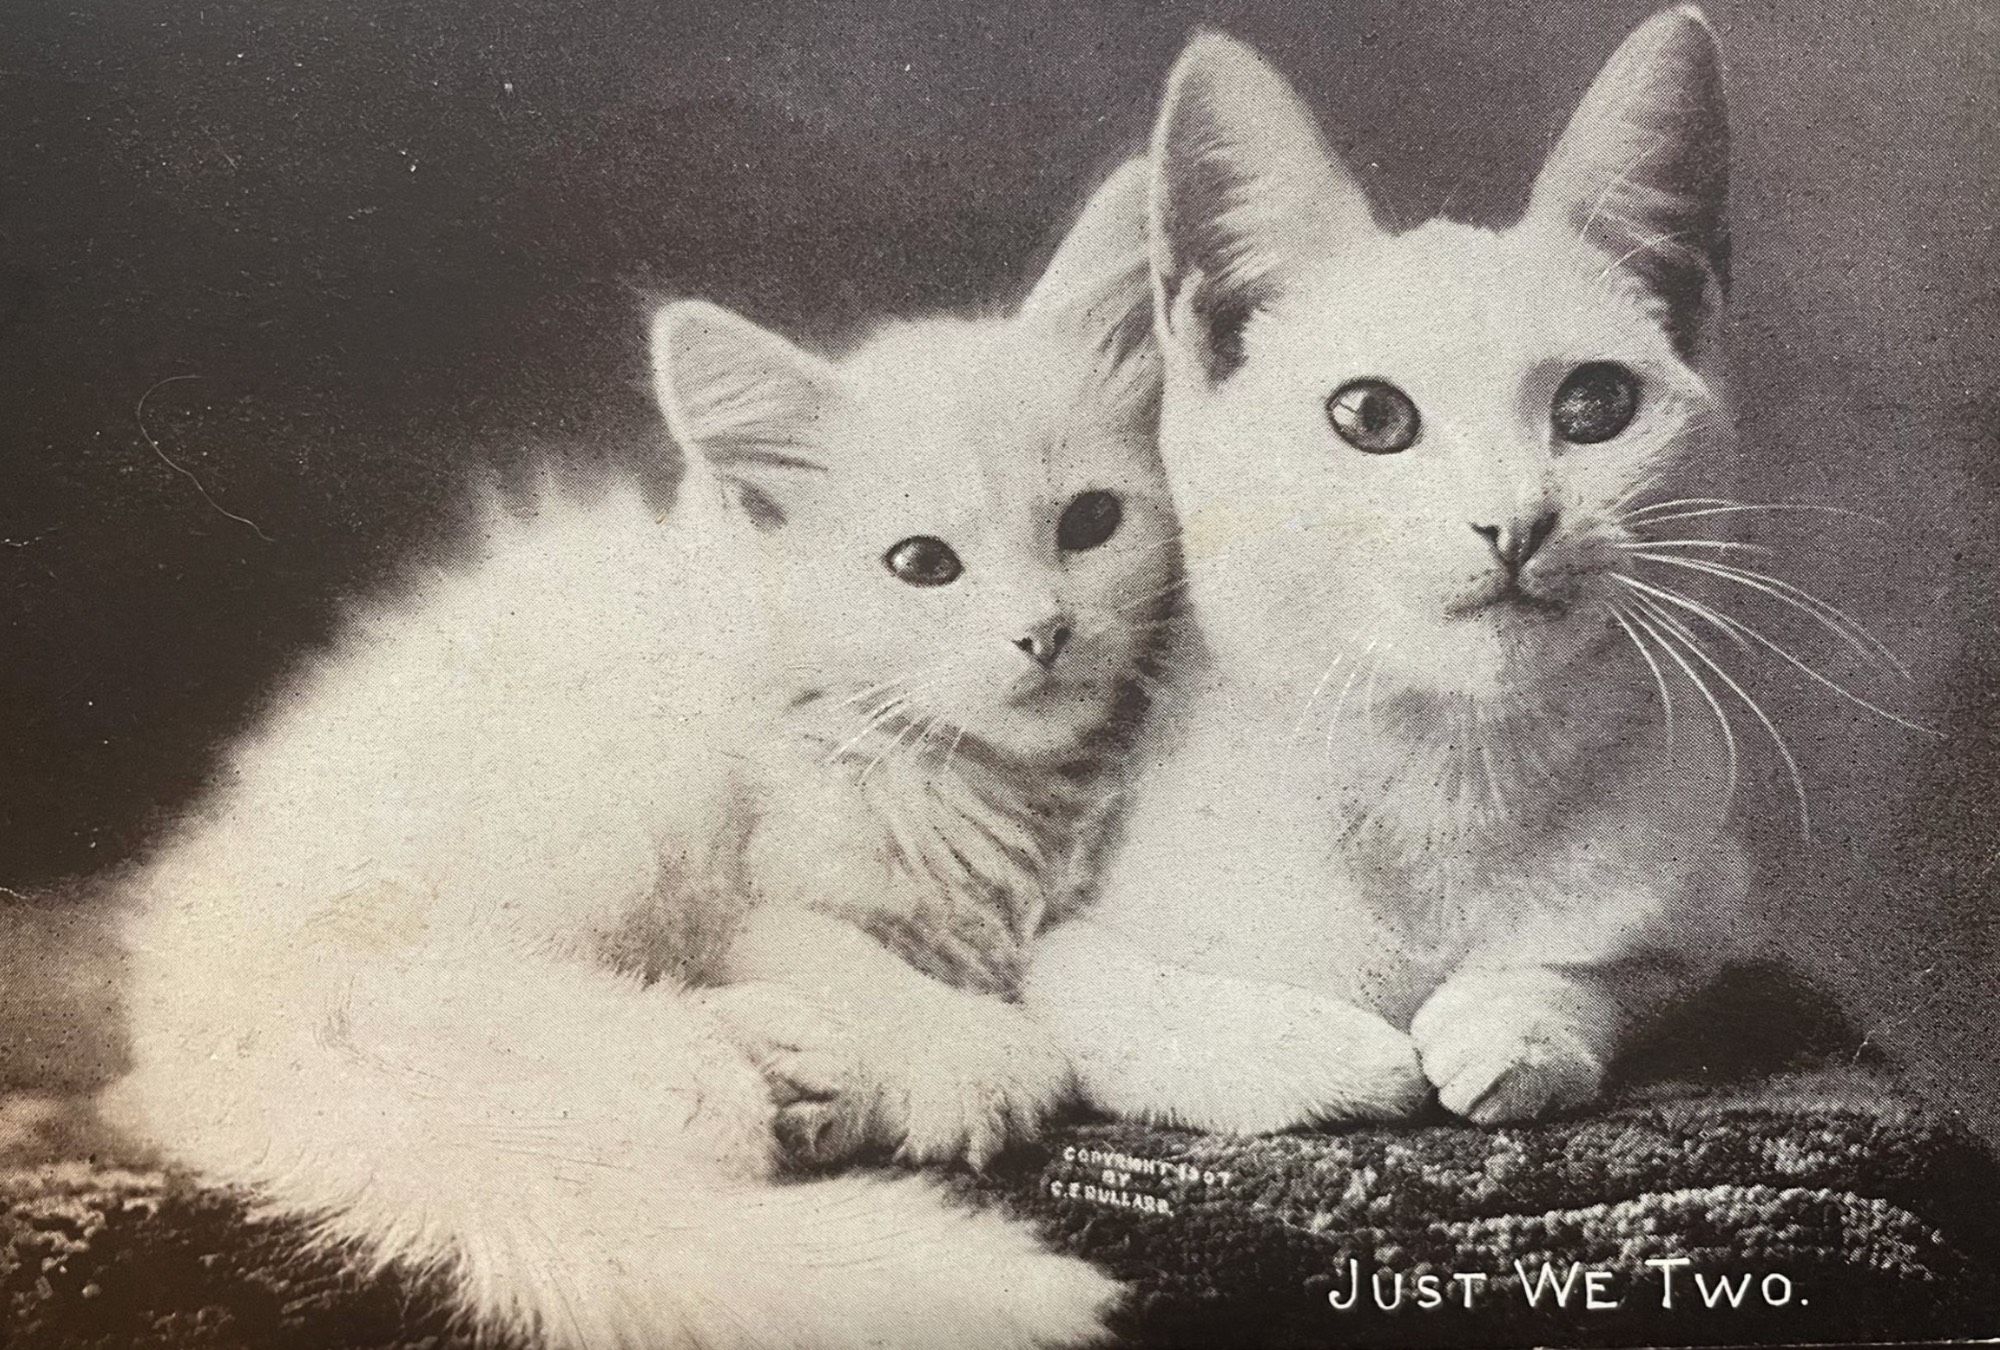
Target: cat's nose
x,y
1044,642
1519,540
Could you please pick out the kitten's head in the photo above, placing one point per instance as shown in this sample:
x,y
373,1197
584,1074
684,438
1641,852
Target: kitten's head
x,y
963,519
1423,444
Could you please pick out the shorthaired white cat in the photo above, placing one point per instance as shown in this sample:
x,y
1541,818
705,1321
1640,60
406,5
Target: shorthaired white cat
x,y
421,970
1410,759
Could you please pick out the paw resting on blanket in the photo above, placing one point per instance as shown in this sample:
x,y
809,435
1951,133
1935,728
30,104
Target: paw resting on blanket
x,y
954,1079
1509,1045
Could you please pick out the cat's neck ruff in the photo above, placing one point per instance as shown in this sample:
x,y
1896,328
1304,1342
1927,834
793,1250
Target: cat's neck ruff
x,y
974,850
1443,768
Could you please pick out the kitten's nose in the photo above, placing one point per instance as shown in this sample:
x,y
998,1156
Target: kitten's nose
x,y
1044,642
1514,543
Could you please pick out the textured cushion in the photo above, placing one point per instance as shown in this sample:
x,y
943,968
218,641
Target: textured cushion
x,y
1879,1214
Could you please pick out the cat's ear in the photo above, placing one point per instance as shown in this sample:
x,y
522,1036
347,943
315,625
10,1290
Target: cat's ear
x,y
742,401
1243,190
1103,254
1096,292
1642,171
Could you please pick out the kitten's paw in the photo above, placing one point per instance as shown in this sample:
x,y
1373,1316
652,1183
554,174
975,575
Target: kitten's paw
x,y
957,1078
1507,1046
965,1082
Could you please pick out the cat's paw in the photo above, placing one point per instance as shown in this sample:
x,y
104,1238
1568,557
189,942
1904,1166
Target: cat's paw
x,y
1508,1046
1263,1058
957,1078
1321,1062
964,1082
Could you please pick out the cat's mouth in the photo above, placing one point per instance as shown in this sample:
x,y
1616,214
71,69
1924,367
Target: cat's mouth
x,y
1505,594
1035,688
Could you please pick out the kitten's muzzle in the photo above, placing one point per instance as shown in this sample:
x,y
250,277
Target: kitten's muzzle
x,y
1045,642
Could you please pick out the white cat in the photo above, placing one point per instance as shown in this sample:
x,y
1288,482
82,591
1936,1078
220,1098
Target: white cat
x,y
1411,757
420,969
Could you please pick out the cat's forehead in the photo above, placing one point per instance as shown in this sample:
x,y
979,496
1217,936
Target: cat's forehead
x,y
1456,303
976,414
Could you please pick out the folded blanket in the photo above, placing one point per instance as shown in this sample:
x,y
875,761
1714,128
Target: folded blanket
x,y
1810,1205
1820,1207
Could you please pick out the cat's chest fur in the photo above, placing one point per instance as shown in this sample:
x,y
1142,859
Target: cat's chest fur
x,y
1345,858
952,865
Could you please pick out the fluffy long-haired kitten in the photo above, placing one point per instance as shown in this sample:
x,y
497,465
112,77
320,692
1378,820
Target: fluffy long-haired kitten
x,y
1415,815
813,739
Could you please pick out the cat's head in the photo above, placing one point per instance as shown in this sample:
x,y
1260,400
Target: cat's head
x,y
963,519
1423,445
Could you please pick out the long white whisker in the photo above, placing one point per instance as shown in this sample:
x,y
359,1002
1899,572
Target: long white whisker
x,y
1829,615
1739,630
1757,710
1722,545
1651,507
1708,695
1725,508
1683,602
1659,676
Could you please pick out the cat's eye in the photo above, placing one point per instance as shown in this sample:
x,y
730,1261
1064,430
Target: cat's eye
x,y
1374,415
1594,402
1088,521
923,560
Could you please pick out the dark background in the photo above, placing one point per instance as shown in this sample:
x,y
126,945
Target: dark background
x,y
336,265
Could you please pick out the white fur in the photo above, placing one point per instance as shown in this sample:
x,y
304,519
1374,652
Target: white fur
x,y
1364,790
420,970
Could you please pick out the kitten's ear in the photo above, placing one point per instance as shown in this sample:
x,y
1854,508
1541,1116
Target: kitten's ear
x,y
743,401
1243,189
1104,252
1642,171
1096,291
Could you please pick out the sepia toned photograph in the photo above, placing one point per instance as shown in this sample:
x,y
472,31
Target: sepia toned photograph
x,y
902,674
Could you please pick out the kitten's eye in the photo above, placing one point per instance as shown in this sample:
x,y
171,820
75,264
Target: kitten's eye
x,y
1594,402
1374,415
923,561
1088,521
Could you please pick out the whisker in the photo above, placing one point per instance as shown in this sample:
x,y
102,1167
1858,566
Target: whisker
x,y
1651,507
874,719
1719,507
1830,616
1708,695
1723,545
876,762
1756,709
1346,688
1317,690
1659,676
1739,630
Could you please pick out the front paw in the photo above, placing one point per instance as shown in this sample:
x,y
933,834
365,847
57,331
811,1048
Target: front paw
x,y
966,1079
812,1063
1509,1046
948,1077
1264,1058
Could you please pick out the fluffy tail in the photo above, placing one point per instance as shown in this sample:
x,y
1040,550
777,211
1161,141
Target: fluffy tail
x,y
587,1160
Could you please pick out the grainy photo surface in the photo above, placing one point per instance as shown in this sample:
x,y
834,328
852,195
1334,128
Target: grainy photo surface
x,y
877,676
